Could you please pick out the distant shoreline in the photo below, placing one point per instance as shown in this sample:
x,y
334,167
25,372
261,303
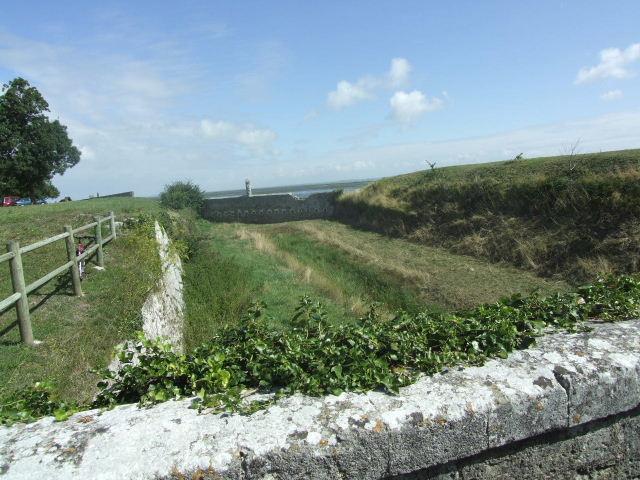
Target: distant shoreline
x,y
303,190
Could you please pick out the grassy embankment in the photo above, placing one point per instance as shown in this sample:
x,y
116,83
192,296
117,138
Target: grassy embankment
x,y
528,213
570,217
562,217
78,334
344,268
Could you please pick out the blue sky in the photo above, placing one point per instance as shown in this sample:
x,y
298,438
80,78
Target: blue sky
x,y
294,92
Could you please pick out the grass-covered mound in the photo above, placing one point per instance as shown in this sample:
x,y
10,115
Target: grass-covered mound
x,y
572,216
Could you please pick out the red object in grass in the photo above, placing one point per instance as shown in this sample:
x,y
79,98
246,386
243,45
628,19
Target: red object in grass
x,y
10,201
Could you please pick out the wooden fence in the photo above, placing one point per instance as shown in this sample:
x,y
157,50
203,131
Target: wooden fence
x,y
20,290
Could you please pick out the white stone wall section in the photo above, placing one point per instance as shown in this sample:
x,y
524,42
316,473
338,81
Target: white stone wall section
x,y
163,311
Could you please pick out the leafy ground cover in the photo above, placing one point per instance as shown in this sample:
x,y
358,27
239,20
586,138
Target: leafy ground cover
x,y
78,334
572,217
316,356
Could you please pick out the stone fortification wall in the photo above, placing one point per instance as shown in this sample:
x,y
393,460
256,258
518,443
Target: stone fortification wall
x,y
269,208
567,408
113,195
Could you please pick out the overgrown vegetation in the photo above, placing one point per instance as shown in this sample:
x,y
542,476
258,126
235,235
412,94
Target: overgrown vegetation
x,y
182,194
216,294
370,267
229,271
384,310
316,356
572,216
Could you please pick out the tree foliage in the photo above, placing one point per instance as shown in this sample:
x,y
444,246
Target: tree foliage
x,y
32,148
182,194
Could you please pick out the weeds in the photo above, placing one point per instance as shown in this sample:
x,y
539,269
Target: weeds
x,y
216,294
317,356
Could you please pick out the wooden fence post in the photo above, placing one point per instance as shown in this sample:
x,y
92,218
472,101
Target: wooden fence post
x,y
100,255
112,222
71,256
22,305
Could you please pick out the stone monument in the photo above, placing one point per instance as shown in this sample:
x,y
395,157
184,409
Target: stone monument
x,y
247,184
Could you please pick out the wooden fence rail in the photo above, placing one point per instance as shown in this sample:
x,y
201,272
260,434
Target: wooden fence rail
x,y
21,290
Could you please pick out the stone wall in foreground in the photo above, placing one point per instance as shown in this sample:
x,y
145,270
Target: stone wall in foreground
x,y
269,208
567,408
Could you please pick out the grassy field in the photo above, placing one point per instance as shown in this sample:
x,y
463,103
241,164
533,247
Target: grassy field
x,y
78,334
344,268
462,236
570,217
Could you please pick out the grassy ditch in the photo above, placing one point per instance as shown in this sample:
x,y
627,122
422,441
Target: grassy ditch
x,y
300,307
235,266
572,217
398,273
78,334
231,270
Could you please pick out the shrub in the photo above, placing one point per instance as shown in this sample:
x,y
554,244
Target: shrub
x,y
317,357
182,194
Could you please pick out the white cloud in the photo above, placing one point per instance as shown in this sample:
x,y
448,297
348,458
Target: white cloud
x,y
94,87
399,72
136,79
86,152
219,130
613,64
611,95
119,111
607,132
256,137
408,107
247,135
349,93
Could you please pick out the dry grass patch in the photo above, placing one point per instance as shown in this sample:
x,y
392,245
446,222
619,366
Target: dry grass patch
x,y
323,283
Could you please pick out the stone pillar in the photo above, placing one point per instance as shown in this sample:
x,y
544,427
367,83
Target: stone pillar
x,y
247,184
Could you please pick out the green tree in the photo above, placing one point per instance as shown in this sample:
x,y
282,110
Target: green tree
x,y
182,195
32,148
